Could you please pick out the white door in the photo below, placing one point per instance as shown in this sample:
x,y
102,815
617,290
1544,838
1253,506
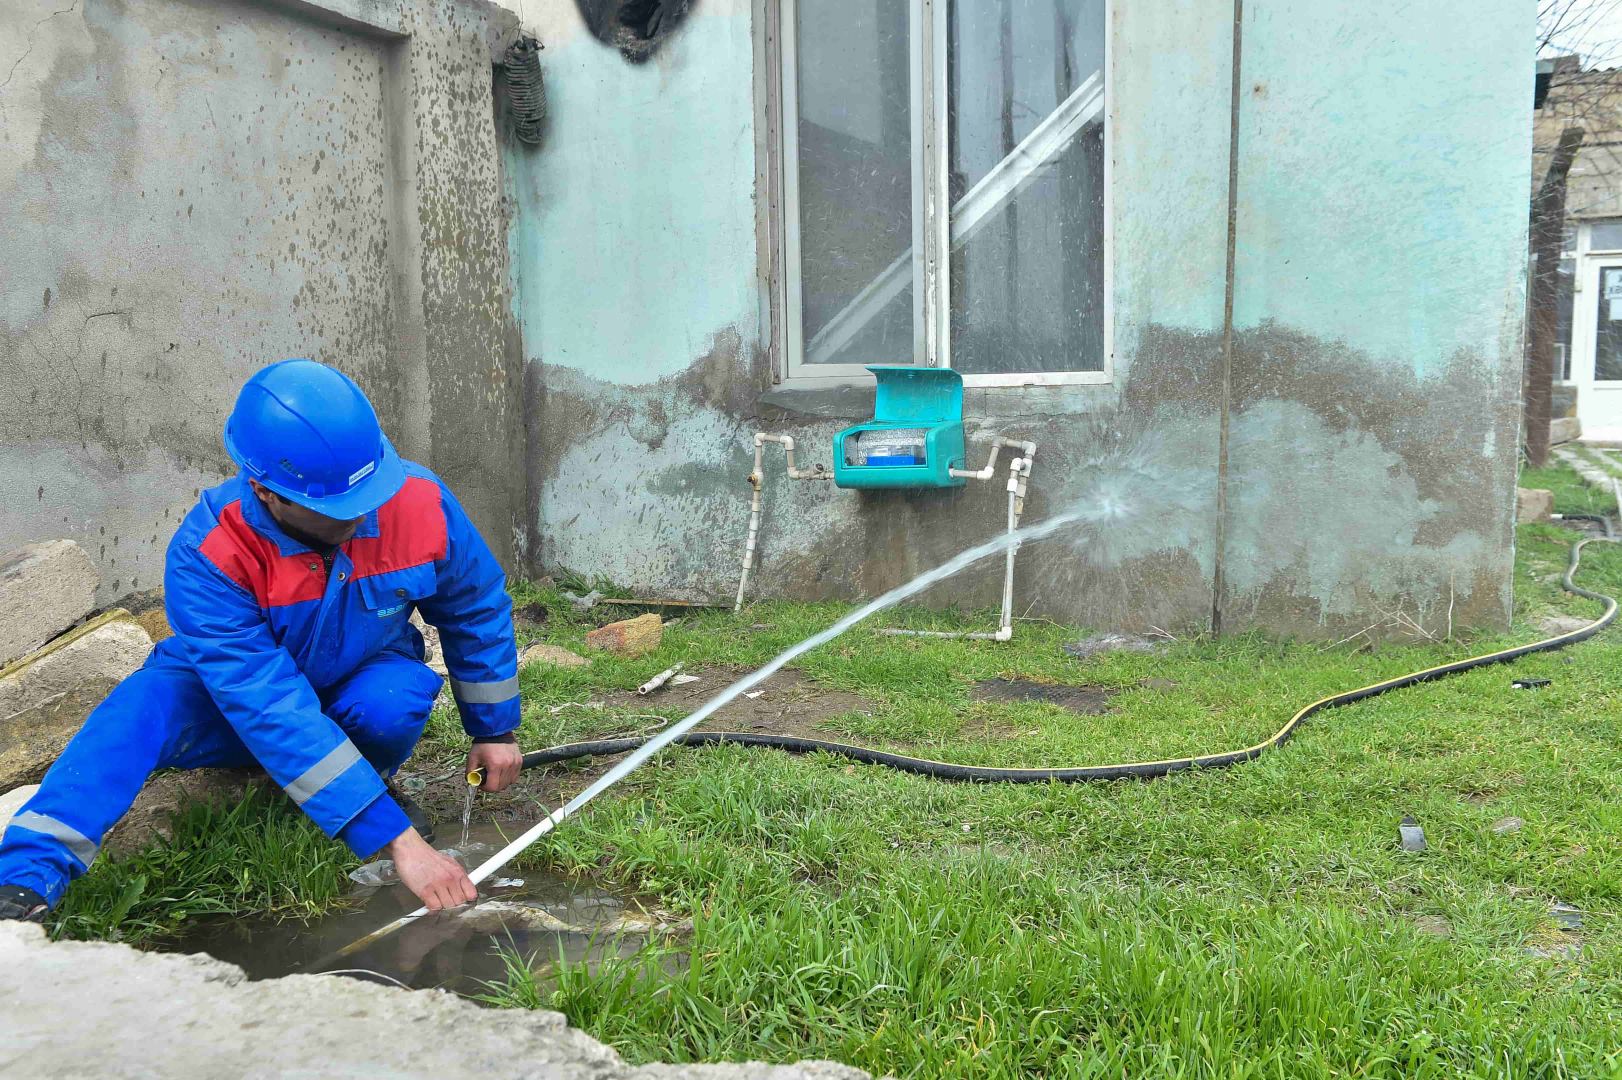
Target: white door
x,y
1596,365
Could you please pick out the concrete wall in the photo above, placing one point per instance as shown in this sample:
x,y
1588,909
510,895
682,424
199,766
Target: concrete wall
x,y
1374,358
1381,281
193,189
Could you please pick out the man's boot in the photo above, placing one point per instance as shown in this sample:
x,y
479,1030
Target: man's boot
x,y
18,904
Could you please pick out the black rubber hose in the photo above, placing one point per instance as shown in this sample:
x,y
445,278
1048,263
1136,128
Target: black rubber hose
x,y
942,770
1600,519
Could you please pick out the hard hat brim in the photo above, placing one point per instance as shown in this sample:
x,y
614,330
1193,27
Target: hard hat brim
x,y
370,493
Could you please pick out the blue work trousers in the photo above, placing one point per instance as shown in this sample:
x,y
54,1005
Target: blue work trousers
x,y
162,717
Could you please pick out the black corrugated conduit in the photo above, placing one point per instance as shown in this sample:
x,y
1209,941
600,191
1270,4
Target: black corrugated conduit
x,y
1141,770
526,91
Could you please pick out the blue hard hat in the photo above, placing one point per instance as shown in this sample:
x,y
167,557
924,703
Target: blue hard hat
x,y
307,432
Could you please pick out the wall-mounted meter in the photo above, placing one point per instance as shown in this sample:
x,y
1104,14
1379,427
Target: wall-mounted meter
x,y
915,438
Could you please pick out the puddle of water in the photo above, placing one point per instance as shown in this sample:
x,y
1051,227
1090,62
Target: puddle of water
x,y
544,917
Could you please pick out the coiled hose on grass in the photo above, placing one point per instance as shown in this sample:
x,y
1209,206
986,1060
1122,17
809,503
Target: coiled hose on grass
x,y
1141,770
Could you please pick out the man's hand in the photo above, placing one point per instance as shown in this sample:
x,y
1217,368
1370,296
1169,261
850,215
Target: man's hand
x,y
438,880
499,762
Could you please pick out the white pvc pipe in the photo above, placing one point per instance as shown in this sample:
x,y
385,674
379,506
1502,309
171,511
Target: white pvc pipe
x,y
1007,624
721,700
1019,473
657,681
757,480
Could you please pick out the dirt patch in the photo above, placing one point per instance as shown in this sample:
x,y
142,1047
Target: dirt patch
x,y
789,703
148,819
535,614
1490,788
1086,700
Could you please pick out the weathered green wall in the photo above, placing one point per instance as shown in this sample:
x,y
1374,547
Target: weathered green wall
x,y
1380,289
1374,364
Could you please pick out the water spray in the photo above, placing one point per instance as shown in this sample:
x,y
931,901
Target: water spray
x,y
725,697
641,750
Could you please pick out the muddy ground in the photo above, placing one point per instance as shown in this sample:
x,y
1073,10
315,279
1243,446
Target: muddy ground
x,y
789,704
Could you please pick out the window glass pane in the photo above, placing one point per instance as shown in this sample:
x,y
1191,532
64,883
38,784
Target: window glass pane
x,y
855,181
1608,330
1025,116
1605,236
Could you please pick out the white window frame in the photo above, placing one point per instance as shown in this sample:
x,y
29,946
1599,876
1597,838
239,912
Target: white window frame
x,y
931,225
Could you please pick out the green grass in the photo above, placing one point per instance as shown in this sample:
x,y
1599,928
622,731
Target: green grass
x,y
1260,921
1254,922
1571,494
260,856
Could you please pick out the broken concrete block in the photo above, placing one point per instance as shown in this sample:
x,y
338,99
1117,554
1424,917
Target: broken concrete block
x,y
628,637
551,654
214,1021
1533,505
44,589
45,697
12,801
147,609
1564,429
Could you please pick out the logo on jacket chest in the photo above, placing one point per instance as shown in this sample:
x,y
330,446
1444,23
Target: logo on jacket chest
x,y
388,611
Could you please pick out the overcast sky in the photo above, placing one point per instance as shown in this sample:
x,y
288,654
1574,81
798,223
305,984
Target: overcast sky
x,y
1593,28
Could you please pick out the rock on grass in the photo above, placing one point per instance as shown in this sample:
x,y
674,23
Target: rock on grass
x,y
628,637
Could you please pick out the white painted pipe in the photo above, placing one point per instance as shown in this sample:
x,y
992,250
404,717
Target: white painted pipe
x,y
990,470
754,528
1007,624
657,681
1019,473
757,480
815,472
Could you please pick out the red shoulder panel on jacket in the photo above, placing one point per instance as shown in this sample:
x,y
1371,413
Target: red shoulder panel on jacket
x,y
410,531
253,562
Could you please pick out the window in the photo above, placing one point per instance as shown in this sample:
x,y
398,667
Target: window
x,y
1605,236
943,180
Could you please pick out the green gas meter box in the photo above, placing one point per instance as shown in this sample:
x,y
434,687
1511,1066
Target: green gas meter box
x,y
915,437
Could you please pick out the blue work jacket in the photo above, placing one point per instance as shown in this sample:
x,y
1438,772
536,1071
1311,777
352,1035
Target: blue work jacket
x,y
267,626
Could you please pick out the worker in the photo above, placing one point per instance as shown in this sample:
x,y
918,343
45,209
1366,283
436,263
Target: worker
x,y
290,589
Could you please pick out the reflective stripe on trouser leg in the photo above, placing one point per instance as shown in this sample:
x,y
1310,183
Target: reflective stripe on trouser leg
x,y
310,782
485,693
83,848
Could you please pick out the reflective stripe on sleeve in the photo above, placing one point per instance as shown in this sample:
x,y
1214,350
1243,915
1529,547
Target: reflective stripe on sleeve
x,y
323,772
485,693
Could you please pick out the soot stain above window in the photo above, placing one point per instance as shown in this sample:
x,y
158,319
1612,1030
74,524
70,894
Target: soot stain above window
x,y
637,28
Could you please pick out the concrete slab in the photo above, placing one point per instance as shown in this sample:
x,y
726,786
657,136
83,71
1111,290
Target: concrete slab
x,y
94,1009
1533,504
44,589
45,698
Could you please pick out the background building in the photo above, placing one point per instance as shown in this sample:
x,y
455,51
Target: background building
x,y
1266,307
